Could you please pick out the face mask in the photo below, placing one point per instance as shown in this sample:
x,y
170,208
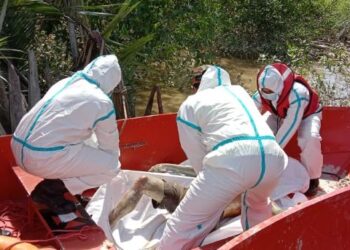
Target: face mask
x,y
271,97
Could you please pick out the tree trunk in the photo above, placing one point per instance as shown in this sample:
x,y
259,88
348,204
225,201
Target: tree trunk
x,y
120,100
33,89
2,130
17,101
47,76
73,42
4,108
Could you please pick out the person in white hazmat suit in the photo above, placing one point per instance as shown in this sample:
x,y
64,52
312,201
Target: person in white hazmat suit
x,y
292,105
51,139
234,153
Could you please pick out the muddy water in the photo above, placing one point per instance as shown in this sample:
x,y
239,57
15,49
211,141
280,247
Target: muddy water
x,y
241,72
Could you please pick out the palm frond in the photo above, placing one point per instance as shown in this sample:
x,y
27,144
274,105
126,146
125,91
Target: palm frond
x,y
3,13
126,8
3,41
98,7
94,13
37,6
130,50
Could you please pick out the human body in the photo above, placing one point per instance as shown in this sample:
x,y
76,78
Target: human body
x,y
233,152
292,105
51,139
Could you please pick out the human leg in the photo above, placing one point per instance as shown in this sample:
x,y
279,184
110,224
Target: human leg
x,y
151,186
200,210
87,168
309,141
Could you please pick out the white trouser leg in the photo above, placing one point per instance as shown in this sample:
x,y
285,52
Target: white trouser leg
x,y
201,208
256,205
80,167
90,168
215,187
309,141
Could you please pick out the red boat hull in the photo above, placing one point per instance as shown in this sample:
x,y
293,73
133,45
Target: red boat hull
x,y
323,222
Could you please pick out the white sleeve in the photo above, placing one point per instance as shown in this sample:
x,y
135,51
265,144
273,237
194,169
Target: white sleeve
x,y
106,129
298,103
257,100
190,137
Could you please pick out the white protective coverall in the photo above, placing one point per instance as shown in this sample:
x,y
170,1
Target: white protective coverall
x,y
309,139
50,140
233,152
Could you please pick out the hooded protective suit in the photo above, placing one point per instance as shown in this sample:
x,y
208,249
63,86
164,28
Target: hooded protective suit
x,y
50,140
233,152
309,139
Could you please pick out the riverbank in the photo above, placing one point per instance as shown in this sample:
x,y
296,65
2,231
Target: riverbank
x,y
242,72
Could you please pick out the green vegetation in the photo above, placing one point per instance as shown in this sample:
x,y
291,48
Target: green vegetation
x,y
158,42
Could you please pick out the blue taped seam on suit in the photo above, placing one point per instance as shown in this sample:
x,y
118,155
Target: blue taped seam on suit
x,y
27,145
190,124
255,96
301,99
24,143
219,75
42,110
104,117
263,161
263,80
89,79
243,138
295,118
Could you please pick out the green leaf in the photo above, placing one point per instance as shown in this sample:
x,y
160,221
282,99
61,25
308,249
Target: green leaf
x,y
122,13
36,6
94,13
130,50
98,7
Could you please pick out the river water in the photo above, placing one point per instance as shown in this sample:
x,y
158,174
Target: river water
x,y
335,88
241,72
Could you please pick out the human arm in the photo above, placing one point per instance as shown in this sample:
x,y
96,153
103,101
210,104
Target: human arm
x,y
190,136
105,128
257,100
291,123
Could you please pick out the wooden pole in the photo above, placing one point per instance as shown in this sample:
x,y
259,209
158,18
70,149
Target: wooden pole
x,y
33,88
120,100
159,101
149,105
16,99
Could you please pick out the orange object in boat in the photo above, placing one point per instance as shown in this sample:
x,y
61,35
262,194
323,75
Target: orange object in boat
x,y
11,243
320,223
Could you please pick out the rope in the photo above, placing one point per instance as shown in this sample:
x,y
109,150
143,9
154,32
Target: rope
x,y
17,213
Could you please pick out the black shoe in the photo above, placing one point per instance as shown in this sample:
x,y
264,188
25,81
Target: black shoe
x,y
313,187
51,193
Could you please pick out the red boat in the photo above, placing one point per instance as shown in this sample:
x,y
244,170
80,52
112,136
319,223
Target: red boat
x,y
322,222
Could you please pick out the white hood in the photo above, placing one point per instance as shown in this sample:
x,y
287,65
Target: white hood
x,y
271,79
106,71
214,76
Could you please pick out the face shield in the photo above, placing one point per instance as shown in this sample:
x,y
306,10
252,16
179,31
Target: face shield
x,y
268,94
270,83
